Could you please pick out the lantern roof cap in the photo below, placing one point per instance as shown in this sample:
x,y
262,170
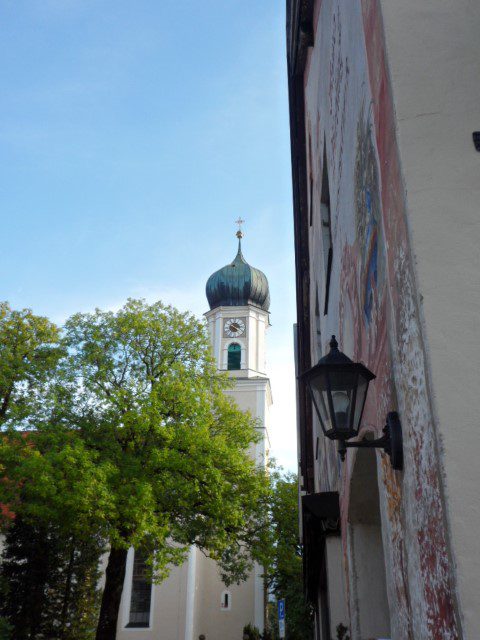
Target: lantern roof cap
x,y
334,356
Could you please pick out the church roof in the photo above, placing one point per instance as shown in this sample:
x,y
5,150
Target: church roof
x,y
238,284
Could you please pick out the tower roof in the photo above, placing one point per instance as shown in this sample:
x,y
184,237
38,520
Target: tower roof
x,y
238,284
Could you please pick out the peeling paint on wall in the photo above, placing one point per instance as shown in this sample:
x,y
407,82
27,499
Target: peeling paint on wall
x,y
374,310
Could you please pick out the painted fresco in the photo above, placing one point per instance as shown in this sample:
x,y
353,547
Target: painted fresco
x,y
374,310
368,221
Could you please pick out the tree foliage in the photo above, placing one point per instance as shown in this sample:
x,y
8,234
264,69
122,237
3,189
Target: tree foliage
x,y
29,353
141,390
136,442
49,583
285,572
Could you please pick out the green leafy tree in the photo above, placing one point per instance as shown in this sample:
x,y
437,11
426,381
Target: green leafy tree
x,y
51,477
285,571
5,629
49,583
137,442
57,499
29,353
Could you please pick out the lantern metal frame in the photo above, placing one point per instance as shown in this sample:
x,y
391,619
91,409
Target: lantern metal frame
x,y
336,365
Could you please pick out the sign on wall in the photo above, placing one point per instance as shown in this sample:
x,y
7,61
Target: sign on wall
x,y
281,618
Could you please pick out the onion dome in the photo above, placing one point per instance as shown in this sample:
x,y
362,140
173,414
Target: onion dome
x,y
238,284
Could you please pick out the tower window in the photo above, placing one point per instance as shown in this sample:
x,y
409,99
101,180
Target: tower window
x,y
234,356
141,593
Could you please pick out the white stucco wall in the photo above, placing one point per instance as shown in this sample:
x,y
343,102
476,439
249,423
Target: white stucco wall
x,y
168,607
404,292
434,55
213,621
336,582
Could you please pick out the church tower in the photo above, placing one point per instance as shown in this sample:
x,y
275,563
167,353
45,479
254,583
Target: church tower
x,y
193,601
238,319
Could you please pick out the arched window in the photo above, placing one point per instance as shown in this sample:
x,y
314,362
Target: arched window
x,y
234,356
140,599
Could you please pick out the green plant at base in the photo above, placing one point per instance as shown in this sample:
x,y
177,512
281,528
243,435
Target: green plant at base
x,y
250,632
342,632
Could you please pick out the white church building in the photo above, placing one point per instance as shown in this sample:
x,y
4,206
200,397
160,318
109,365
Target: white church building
x,y
193,601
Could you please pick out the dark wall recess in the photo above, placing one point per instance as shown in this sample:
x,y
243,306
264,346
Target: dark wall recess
x,y
476,139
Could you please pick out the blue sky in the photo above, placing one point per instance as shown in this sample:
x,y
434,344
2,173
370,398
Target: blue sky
x,y
132,135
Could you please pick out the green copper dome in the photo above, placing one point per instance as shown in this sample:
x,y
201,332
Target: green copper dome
x,y
238,284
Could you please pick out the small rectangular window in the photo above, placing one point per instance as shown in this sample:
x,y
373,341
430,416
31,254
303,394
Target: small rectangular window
x,y
226,601
310,173
311,200
317,337
141,593
326,219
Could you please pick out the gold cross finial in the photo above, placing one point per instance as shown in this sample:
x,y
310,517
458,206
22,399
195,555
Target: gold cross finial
x,y
239,233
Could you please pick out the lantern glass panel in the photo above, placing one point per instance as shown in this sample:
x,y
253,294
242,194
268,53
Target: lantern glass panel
x,y
360,401
343,385
319,391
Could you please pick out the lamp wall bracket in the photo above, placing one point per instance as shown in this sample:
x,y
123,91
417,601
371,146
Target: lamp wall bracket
x,y
391,442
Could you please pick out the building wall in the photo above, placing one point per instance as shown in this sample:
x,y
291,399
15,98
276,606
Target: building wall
x,y
403,176
213,621
167,613
434,53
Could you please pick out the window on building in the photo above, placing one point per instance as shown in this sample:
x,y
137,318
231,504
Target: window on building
x,y
311,200
326,229
226,601
140,600
317,339
234,356
310,164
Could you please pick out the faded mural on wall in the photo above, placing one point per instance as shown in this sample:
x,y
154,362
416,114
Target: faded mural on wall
x,y
368,220
374,311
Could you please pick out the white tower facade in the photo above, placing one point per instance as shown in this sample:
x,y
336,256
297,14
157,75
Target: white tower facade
x,y
252,387
194,601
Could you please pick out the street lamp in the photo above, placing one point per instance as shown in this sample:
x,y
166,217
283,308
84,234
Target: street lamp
x,y
338,387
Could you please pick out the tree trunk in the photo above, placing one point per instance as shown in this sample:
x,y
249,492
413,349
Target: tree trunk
x,y
112,594
68,587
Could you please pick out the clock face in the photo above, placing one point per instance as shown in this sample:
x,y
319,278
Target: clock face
x,y
234,327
